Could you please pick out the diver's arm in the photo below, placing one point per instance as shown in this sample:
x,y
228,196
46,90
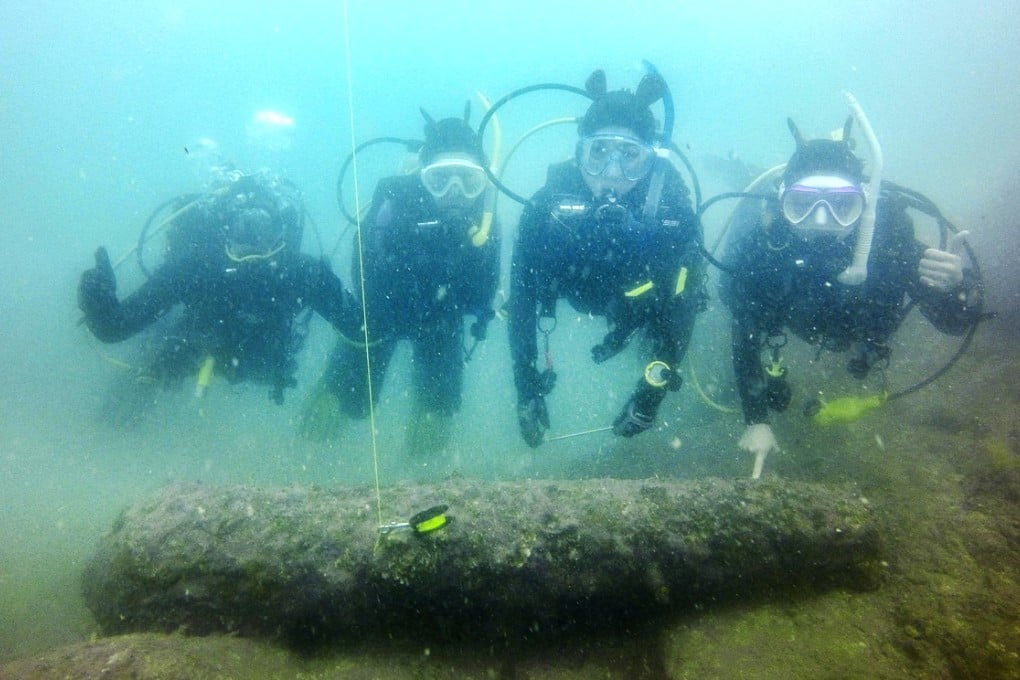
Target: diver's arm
x,y
747,333
522,325
111,320
522,309
483,278
679,288
948,295
375,240
672,324
670,333
327,295
686,281
747,368
678,292
758,438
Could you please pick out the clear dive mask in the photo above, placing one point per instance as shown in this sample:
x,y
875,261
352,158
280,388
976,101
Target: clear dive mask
x,y
440,177
822,197
598,153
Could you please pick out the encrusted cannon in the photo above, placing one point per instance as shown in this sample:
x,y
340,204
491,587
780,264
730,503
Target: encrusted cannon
x,y
514,558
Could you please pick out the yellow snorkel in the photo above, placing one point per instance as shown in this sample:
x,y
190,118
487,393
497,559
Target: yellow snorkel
x,y
480,233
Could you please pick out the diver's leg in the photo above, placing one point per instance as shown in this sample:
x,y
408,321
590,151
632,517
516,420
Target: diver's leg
x,y
161,364
342,391
438,380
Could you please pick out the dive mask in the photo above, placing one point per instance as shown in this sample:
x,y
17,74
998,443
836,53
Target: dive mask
x,y
440,177
253,233
809,203
597,154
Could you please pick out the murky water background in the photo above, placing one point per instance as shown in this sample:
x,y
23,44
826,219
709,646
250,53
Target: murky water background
x,y
102,117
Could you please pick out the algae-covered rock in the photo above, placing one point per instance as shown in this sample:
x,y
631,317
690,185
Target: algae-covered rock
x,y
516,558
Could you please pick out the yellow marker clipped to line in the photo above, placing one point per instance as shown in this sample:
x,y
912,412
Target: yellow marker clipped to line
x,y
422,523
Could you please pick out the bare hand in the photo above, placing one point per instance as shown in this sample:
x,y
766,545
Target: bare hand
x,y
943,269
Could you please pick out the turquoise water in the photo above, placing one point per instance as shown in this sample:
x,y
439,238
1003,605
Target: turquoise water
x,y
103,110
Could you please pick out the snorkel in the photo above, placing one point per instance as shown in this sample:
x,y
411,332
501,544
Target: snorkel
x,y
668,113
667,150
650,210
480,233
857,272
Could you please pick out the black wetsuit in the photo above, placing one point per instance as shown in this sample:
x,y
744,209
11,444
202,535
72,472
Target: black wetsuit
x,y
422,275
242,314
781,281
641,272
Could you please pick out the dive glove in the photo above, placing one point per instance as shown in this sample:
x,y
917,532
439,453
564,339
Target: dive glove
x,y
639,412
321,419
632,421
480,328
97,289
532,414
533,417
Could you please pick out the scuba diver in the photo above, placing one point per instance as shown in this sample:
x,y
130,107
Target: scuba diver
x,y
613,231
429,257
233,261
827,261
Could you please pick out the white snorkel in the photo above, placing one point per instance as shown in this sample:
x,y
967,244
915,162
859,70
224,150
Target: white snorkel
x,y
857,272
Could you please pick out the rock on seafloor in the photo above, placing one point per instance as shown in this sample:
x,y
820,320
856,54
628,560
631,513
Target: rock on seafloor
x,y
517,559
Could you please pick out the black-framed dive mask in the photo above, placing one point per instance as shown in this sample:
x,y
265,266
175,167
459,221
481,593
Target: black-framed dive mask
x,y
253,233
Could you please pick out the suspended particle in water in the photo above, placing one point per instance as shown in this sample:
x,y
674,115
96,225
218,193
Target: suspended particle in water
x,y
676,443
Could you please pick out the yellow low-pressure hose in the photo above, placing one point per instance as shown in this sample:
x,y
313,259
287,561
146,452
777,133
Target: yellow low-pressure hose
x,y
696,384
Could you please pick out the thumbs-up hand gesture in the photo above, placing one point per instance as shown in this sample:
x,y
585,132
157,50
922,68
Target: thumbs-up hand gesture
x,y
97,290
943,269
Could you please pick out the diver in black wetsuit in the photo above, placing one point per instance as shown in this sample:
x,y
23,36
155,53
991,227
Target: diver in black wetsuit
x,y
233,262
430,257
613,232
785,273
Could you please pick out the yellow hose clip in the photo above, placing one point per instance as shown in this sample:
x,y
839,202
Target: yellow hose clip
x,y
657,373
639,290
775,368
205,374
681,281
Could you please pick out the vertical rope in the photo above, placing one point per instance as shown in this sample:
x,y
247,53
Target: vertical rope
x,y
361,269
